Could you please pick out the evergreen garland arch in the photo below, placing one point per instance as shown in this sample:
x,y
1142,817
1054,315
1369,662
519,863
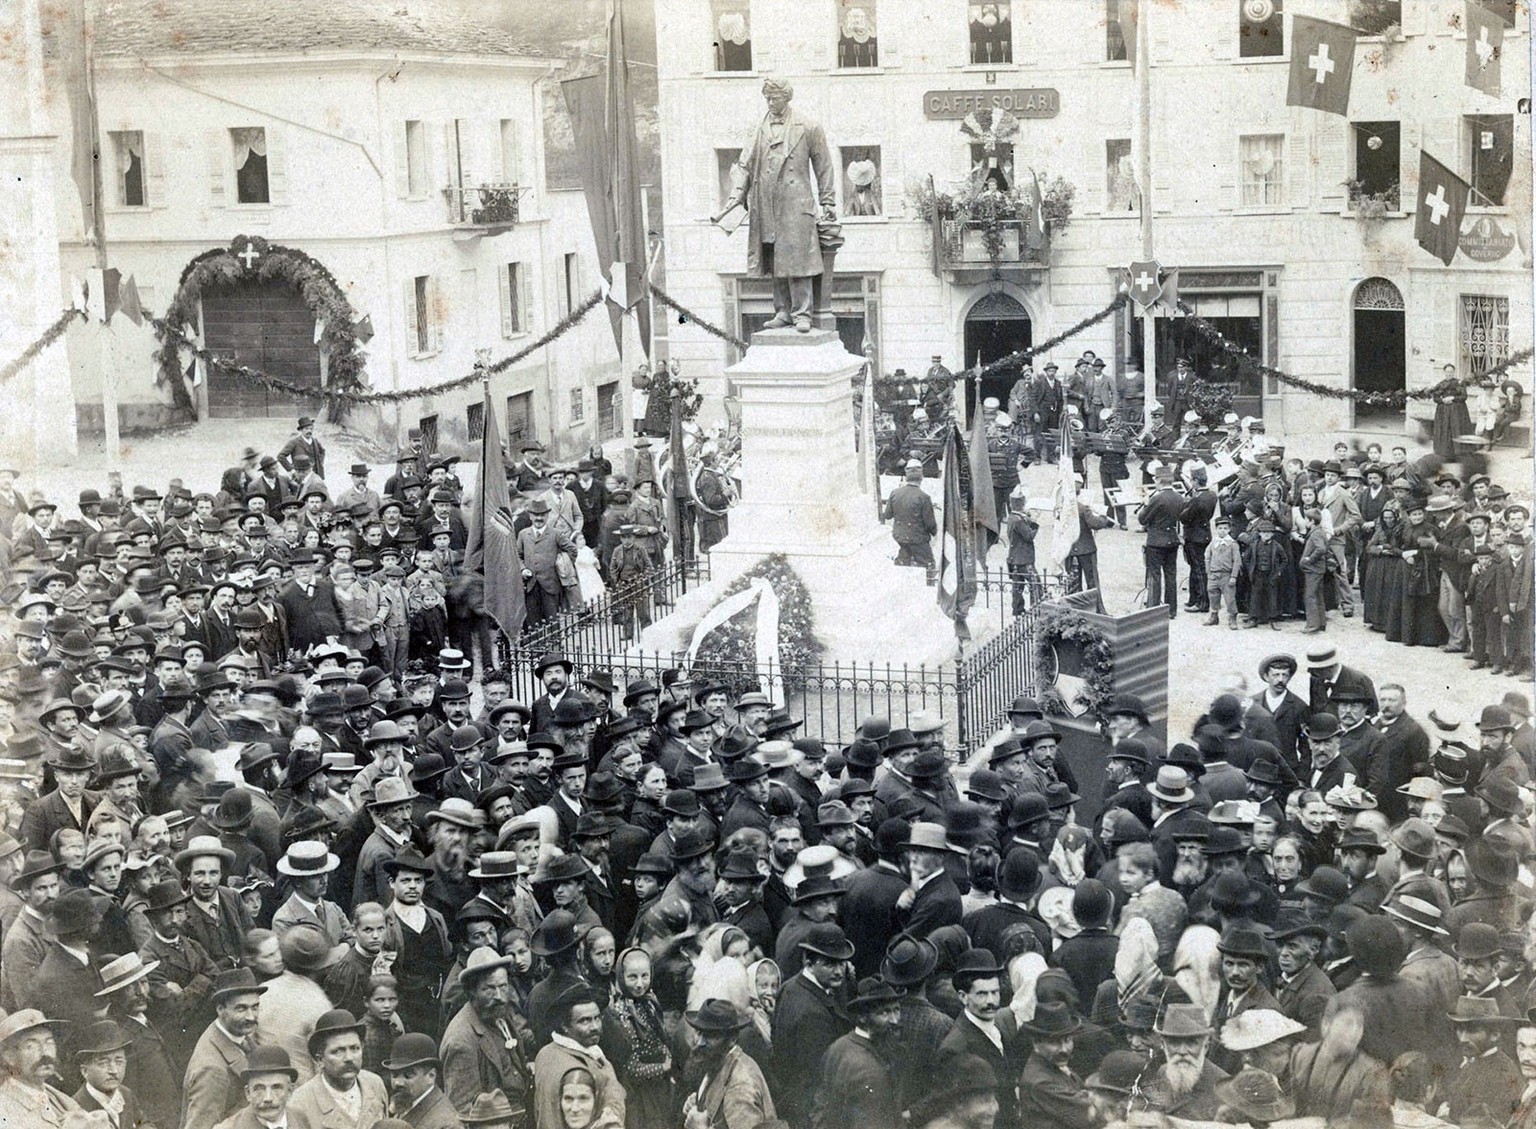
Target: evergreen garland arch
x,y
270,262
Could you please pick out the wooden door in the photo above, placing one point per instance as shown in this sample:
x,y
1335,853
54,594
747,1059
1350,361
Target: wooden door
x,y
268,327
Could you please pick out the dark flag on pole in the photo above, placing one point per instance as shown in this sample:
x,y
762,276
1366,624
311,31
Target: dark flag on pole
x,y
1322,65
983,499
957,535
491,548
1485,47
1441,207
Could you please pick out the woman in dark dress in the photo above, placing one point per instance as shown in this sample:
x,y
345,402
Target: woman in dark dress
x,y
635,1042
1278,510
1422,625
1382,592
1451,415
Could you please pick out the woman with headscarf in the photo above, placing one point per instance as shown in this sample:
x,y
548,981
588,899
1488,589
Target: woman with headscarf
x,y
1197,967
1381,591
1136,972
635,1041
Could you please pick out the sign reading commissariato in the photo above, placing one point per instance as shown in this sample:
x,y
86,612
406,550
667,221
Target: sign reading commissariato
x,y
1040,102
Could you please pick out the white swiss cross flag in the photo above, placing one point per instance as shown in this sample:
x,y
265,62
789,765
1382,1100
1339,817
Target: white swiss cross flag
x,y
1322,65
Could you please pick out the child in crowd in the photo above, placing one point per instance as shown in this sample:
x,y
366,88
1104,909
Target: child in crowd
x,y
1223,561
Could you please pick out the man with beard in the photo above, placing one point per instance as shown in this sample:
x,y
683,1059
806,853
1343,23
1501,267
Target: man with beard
x,y
342,1095
726,1085
857,1087
1050,1094
480,1052
29,1054
554,671
211,1089
415,1097
125,994
1304,990
978,980
391,812
181,975
449,829
26,942
1487,1076
66,981
693,853
809,1017
578,1015
1329,769
1185,1084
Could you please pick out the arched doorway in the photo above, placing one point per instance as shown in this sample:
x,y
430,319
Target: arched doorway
x,y
998,324
1381,354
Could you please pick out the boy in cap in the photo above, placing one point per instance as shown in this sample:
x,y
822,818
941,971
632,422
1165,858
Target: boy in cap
x,y
1223,560
1266,562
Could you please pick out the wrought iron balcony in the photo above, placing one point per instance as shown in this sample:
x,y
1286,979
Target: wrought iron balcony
x,y
966,248
483,209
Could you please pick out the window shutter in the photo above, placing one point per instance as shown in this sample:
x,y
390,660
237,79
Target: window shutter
x,y
469,152
504,292
412,342
511,162
525,285
450,160
277,168
403,161
218,151
154,170
1163,29
1330,141
1294,153
434,314
1441,139
1230,175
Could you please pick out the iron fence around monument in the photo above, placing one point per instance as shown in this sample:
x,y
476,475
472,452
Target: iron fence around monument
x,y
971,692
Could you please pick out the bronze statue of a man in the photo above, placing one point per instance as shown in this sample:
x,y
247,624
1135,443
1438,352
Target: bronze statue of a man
x,y
773,180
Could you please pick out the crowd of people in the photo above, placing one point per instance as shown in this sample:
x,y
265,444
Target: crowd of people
x,y
264,865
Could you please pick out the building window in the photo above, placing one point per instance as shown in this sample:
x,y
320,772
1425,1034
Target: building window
x,y
578,405
1375,17
513,280
610,410
1120,176
725,160
416,187
857,41
998,163
991,33
733,35
519,419
1262,174
1484,333
1490,148
250,149
570,270
428,428
1260,29
861,180
474,419
1376,164
1119,30
421,318
129,149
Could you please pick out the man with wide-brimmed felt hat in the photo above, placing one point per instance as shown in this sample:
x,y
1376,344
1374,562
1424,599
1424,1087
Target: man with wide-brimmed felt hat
x,y
1487,1074
481,1048
30,1055
858,1086
732,1075
390,808
212,1087
1185,1084
1049,1093
68,806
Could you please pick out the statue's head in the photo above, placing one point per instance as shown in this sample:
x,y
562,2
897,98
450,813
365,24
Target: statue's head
x,y
777,94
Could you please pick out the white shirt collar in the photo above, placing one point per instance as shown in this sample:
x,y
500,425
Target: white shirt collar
x,y
113,1104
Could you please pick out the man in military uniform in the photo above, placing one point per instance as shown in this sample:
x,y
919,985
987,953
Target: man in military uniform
x,y
29,1058
913,521
1160,518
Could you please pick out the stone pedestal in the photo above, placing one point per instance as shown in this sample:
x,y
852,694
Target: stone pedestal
x,y
801,498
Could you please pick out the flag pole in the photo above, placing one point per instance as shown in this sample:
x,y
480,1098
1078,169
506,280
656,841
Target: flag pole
x,y
1143,135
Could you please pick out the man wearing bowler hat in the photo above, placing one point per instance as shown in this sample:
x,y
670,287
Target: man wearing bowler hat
x,y
101,1052
731,1085
415,1095
909,963
809,1016
29,1056
267,1080
1050,1094
983,1030
212,1087
858,1087
341,1095
67,806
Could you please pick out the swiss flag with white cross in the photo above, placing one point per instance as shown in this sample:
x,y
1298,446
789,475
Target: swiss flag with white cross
x,y
1322,65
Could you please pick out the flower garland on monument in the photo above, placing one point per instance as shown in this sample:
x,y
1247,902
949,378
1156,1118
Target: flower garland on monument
x,y
1062,629
729,651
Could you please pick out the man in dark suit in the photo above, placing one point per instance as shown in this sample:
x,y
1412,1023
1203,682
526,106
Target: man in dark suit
x,y
213,1086
96,1049
934,898
69,805
1050,1093
216,917
979,1031
1404,749
869,906
1195,520
304,442
913,521
1286,711
309,604
1515,573
809,1018
1160,518
66,983
1327,674
1329,769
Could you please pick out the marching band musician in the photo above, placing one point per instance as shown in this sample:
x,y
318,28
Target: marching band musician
x,y
1233,441
1192,435
1114,446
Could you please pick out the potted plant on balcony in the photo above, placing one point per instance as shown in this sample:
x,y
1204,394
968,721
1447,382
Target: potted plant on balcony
x,y
982,218
498,204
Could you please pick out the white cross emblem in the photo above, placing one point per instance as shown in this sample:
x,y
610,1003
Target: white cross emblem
x,y
249,255
1436,204
1144,281
1483,48
1321,63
